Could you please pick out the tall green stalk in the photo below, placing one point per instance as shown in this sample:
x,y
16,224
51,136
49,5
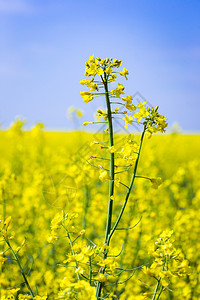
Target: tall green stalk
x,y
151,120
111,182
157,289
20,267
112,163
129,188
109,231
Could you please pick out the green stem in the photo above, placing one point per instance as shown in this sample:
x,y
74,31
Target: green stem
x,y
90,272
112,174
111,182
158,285
145,177
156,289
160,293
129,189
20,267
72,249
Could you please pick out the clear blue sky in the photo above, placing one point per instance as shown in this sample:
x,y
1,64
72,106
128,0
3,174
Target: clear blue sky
x,y
44,45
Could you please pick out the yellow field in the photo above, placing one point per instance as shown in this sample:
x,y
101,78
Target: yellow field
x,y
45,174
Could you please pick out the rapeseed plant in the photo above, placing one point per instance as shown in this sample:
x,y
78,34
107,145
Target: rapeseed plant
x,y
58,203
151,121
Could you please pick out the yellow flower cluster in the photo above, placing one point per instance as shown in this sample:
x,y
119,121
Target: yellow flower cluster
x,y
104,68
45,184
130,150
168,264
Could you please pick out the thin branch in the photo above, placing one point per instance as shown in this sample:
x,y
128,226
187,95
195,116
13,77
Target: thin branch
x,y
130,227
130,187
117,254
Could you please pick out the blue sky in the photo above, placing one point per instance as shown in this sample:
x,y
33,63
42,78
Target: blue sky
x,y
44,45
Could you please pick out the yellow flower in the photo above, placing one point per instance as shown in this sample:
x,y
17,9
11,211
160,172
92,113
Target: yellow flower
x,y
57,221
108,70
92,67
52,239
113,266
40,297
147,271
124,73
118,91
24,297
116,110
112,149
102,61
74,111
88,123
79,270
104,175
165,276
128,120
117,63
130,107
112,78
102,277
79,113
117,181
87,96
85,81
7,222
82,232
128,99
93,86
143,113
156,182
2,258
